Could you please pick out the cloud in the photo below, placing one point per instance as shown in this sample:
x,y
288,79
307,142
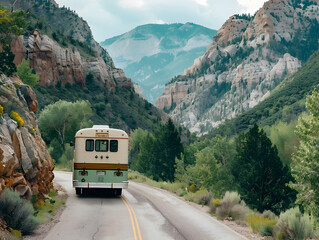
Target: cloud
x,y
251,6
132,4
108,18
202,2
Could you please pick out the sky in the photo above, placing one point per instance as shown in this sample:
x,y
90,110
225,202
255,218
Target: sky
x,y
109,18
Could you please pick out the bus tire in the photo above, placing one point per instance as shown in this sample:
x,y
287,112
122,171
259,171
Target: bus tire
x,y
118,192
78,191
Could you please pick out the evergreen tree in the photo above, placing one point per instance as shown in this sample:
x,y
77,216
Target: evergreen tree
x,y
305,162
260,175
26,75
169,147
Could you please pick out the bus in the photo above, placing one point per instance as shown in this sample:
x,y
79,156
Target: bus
x,y
100,159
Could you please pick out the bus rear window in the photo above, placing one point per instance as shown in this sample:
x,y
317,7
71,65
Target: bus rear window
x,y
101,145
114,145
89,145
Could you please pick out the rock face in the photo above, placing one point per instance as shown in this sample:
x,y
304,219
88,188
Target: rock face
x,y
54,63
25,164
248,57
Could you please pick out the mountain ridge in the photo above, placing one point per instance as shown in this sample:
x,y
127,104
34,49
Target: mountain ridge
x,y
152,54
248,57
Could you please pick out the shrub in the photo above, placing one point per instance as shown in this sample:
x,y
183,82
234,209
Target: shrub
x,y
294,225
15,116
202,197
269,214
229,200
26,75
263,226
17,212
17,84
1,110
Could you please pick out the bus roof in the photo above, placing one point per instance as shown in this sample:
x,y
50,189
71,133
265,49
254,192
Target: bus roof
x,y
98,131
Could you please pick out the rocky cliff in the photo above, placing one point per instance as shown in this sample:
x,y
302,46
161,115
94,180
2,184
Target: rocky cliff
x,y
63,53
54,63
248,57
25,164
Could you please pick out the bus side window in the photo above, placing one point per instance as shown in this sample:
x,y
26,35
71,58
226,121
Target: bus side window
x,y
89,145
101,145
114,145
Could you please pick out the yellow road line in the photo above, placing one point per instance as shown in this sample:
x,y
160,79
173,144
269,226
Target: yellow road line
x,y
129,210
137,226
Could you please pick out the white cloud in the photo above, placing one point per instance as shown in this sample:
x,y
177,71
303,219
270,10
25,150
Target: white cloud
x,y
202,2
133,4
251,6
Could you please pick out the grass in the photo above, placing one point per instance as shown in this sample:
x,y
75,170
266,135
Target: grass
x,y
46,208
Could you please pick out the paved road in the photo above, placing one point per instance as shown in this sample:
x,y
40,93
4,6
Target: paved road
x,y
142,212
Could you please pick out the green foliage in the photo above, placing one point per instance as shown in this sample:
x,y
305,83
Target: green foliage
x,y
294,225
283,136
63,119
11,24
207,163
154,155
7,65
17,212
305,163
261,176
26,75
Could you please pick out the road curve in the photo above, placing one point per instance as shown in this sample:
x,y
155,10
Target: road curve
x,y
142,212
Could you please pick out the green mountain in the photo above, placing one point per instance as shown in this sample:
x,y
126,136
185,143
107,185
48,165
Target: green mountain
x,y
154,53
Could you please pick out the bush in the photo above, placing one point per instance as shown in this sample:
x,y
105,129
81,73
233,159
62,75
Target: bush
x,y
15,116
202,197
26,75
263,226
17,212
269,214
1,110
294,225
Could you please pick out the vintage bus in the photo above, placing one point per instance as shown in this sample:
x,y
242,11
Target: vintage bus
x,y
100,159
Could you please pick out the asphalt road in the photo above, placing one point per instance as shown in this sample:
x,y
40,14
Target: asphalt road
x,y
142,212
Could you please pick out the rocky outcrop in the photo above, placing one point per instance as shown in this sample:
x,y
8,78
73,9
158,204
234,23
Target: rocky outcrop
x,y
25,164
54,63
249,56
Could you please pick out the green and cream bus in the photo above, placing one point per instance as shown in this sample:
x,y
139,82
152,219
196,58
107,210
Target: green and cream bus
x,y
100,159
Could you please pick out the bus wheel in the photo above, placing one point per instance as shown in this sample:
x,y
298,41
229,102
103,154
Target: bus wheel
x,y
118,192
78,191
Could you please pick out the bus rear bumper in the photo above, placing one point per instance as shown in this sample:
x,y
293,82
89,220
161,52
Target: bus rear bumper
x,y
123,185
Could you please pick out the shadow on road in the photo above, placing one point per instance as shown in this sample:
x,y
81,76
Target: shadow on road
x,y
101,193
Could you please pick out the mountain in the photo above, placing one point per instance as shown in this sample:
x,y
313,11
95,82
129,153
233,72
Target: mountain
x,y
285,103
154,53
249,56
73,66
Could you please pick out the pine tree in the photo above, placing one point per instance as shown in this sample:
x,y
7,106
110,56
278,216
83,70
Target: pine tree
x,y
305,162
260,174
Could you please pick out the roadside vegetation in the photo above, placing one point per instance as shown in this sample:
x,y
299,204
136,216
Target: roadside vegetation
x,y
245,178
23,216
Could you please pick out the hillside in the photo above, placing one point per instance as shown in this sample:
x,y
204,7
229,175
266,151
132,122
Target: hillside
x,y
249,56
154,53
285,102
73,66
